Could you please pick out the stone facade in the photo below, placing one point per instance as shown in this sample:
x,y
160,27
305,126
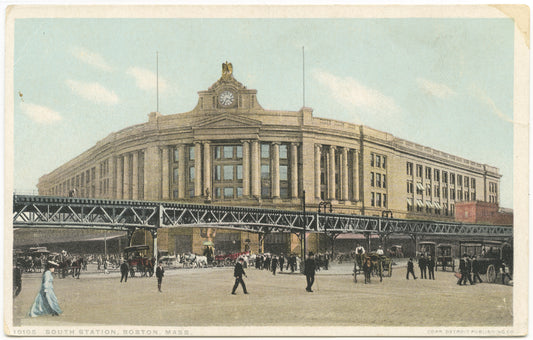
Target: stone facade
x,y
230,151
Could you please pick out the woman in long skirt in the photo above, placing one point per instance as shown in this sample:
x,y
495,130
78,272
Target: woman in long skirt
x,y
46,300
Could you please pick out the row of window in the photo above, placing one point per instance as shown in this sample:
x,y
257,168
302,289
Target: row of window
x,y
378,199
436,175
378,180
235,152
431,207
437,191
378,161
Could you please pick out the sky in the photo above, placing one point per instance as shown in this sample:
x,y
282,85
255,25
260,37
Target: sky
x,y
442,83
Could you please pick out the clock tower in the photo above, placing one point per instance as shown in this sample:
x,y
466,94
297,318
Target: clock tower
x,y
227,95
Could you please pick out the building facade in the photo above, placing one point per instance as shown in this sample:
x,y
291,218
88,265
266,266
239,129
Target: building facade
x,y
230,151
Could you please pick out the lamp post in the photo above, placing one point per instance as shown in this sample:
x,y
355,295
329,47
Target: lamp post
x,y
304,239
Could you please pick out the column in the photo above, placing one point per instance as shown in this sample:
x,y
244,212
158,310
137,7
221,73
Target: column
x,y
344,166
182,182
355,182
197,169
165,173
332,172
275,170
135,176
318,155
245,168
126,180
256,175
207,168
120,177
98,185
152,173
294,170
112,190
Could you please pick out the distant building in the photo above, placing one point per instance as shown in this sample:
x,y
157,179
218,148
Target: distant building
x,y
483,212
230,151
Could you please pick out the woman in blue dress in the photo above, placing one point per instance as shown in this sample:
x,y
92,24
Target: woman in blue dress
x,y
46,300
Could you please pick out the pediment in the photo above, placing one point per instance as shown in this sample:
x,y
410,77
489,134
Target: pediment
x,y
227,121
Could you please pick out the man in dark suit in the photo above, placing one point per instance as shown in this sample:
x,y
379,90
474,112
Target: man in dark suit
x,y
17,280
431,267
238,272
410,269
159,273
274,265
309,271
422,265
281,262
124,269
465,272
475,269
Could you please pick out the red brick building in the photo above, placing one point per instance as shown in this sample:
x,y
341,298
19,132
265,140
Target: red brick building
x,y
482,212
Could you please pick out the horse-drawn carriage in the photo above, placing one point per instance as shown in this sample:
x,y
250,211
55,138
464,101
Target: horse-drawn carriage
x,y
138,261
372,264
492,256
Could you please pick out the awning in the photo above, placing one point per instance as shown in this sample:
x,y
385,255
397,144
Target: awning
x,y
437,205
409,202
420,203
355,236
429,204
419,186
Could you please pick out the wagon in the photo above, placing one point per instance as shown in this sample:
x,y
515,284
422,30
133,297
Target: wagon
x,y
444,258
490,256
137,258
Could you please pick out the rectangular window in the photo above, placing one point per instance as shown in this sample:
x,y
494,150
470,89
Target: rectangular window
x,y
265,171
445,177
371,179
175,193
419,171
428,189
385,200
452,209
217,152
436,175
371,159
265,151
239,151
460,195
283,151
467,182
378,180
191,153
437,191
283,173
228,173
284,192
176,155
378,161
409,187
445,192
176,175
217,192
372,199
239,191
473,182
239,172
409,169
473,196
228,192
191,173
459,180
378,199
383,162
452,179
228,151
217,173
428,173
191,192
384,181
452,194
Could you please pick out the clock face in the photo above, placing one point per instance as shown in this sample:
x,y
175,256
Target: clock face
x,y
226,98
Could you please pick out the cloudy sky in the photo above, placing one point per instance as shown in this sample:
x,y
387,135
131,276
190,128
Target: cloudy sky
x,y
444,83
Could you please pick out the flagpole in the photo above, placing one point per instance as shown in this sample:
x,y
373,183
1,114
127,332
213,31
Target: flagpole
x,y
303,75
157,78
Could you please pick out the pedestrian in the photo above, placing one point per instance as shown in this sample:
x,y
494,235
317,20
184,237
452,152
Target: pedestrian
x,y
46,300
238,272
281,262
124,269
380,251
159,273
431,267
504,270
309,271
367,269
422,265
17,280
274,265
475,269
410,269
463,269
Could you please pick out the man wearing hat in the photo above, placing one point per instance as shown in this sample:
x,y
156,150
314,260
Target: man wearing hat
x,y
238,272
309,271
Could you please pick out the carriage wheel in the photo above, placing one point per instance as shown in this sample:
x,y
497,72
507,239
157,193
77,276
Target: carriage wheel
x,y
491,273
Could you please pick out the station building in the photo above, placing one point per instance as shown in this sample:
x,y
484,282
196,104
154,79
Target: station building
x,y
231,151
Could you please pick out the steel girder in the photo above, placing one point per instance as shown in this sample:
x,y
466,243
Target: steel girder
x,y
46,211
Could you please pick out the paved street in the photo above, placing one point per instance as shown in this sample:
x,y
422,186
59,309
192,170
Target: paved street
x,y
201,297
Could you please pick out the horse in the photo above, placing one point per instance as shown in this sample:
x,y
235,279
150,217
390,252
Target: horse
x,y
195,260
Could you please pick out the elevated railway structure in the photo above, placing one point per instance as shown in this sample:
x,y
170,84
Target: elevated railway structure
x,y
30,211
